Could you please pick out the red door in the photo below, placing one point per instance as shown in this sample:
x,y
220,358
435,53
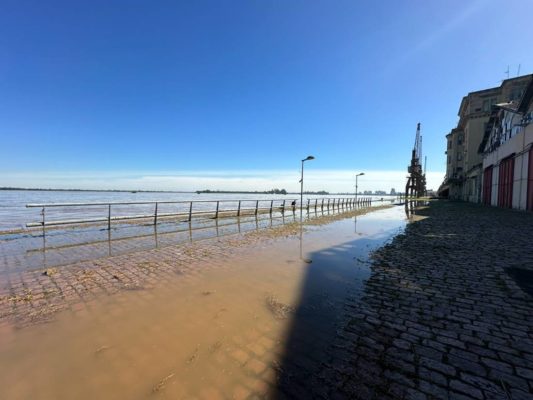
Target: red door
x,y
505,185
487,185
530,182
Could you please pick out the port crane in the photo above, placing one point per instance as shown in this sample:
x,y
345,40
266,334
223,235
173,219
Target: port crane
x,y
416,180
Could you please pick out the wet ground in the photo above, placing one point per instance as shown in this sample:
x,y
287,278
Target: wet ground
x,y
440,310
238,316
37,249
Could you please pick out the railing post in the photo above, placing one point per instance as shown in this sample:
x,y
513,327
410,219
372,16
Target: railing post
x,y
190,212
316,201
308,206
322,205
256,206
239,209
43,214
328,203
109,217
271,205
283,208
216,213
155,214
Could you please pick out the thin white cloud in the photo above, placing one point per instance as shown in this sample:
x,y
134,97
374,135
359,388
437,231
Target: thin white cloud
x,y
329,180
471,8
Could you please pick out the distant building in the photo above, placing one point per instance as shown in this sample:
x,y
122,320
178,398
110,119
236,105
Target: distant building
x,y
507,151
464,164
393,192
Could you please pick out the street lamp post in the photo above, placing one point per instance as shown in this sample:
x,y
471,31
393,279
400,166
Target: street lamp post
x,y
356,187
308,158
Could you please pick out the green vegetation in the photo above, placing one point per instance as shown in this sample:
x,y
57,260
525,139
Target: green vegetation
x,y
272,191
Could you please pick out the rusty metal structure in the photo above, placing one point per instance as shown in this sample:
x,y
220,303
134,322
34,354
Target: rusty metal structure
x,y
416,180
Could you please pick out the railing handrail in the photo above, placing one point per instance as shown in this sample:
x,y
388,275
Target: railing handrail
x,y
129,203
343,202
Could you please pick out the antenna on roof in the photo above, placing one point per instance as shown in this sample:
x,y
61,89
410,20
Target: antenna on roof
x,y
518,73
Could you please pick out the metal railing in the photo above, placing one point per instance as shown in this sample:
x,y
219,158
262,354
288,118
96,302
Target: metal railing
x,y
218,209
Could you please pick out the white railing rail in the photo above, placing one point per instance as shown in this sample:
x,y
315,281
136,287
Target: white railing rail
x,y
220,208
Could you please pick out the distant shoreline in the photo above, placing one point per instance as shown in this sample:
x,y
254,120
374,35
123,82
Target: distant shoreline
x,y
320,193
92,190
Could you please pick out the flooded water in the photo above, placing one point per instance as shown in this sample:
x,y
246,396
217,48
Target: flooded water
x,y
14,214
55,247
250,325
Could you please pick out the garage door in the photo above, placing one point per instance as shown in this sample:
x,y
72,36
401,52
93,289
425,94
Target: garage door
x,y
505,185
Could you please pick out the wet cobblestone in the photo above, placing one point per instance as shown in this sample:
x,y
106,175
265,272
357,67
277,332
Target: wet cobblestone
x,y
440,318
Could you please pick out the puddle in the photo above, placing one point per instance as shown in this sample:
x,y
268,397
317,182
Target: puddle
x,y
230,331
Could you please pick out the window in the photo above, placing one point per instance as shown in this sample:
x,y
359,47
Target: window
x,y
449,144
449,159
488,103
516,94
459,156
460,139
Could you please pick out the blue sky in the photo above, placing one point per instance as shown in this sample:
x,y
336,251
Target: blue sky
x,y
139,94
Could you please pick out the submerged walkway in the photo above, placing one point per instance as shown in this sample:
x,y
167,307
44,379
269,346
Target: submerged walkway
x,y
442,315
440,312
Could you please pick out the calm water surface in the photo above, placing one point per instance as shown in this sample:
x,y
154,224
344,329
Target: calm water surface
x,y
15,215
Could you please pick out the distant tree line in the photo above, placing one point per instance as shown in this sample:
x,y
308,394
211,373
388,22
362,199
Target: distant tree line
x,y
271,191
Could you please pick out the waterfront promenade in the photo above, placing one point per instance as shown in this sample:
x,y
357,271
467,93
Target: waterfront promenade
x,y
334,311
442,315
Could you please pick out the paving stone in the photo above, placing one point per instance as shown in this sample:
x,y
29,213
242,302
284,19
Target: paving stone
x,y
466,388
498,365
437,317
433,391
438,366
525,373
517,394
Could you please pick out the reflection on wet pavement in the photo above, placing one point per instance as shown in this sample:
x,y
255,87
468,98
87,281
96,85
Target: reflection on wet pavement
x,y
251,324
55,247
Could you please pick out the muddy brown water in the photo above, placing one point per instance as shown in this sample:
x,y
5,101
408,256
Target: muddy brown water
x,y
232,331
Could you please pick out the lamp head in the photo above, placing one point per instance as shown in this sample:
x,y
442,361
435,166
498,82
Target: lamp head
x,y
308,158
362,173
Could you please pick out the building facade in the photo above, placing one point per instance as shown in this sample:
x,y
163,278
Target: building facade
x,y
507,150
464,168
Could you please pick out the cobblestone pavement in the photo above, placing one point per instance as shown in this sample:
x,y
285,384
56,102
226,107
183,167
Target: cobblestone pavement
x,y
440,316
34,295
238,298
